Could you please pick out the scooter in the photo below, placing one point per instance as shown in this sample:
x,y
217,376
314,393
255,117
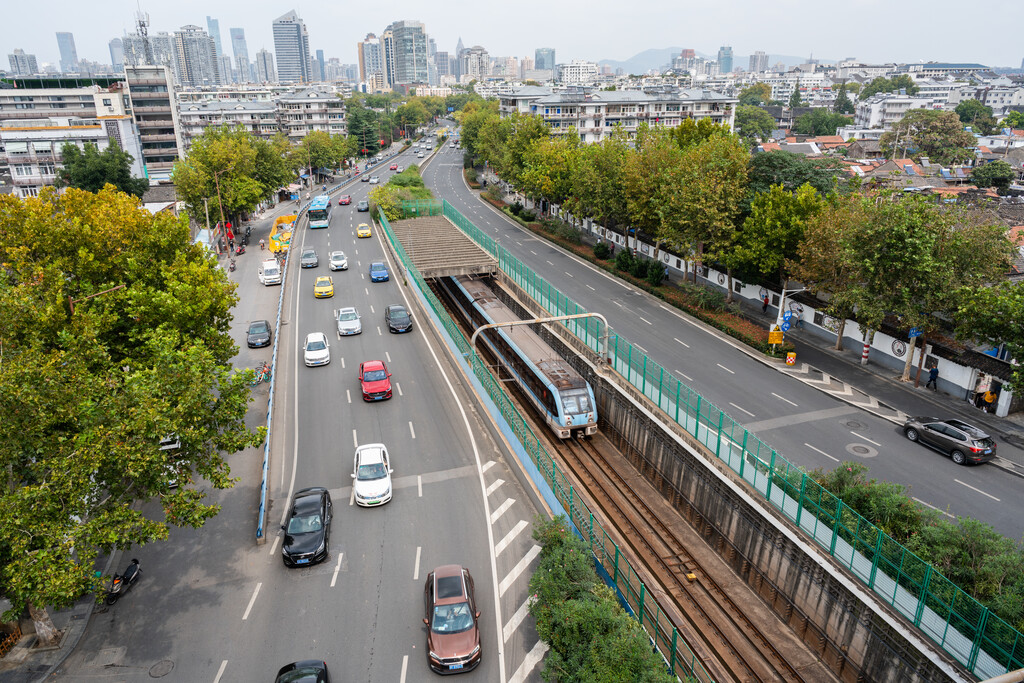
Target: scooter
x,y
240,249
231,265
122,583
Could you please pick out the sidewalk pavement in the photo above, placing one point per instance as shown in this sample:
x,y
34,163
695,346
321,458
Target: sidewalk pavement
x,y
27,664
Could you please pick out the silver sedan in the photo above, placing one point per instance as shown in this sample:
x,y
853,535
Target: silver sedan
x,y
349,322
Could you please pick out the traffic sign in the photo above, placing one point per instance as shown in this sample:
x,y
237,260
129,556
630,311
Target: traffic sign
x,y
787,316
915,332
785,326
775,335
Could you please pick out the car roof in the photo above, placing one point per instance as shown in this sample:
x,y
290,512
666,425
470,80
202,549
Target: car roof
x,y
323,277
259,322
347,309
969,428
316,335
374,264
308,250
373,365
337,253
449,585
371,453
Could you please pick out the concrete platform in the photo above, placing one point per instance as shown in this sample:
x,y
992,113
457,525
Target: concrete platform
x,y
439,249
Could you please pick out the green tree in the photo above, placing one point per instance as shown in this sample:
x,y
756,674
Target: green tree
x,y
820,121
842,105
692,132
550,166
472,120
652,185
757,94
457,101
975,114
1015,119
90,169
411,115
754,122
794,98
773,231
938,135
365,129
995,314
882,84
997,174
599,184
791,171
88,389
319,149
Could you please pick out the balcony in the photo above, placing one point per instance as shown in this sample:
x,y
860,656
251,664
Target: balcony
x,y
153,110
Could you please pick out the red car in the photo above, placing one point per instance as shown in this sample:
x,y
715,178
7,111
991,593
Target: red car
x,y
375,380
394,167
344,199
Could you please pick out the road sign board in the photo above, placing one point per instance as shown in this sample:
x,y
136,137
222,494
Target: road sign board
x,y
787,316
785,326
775,335
915,332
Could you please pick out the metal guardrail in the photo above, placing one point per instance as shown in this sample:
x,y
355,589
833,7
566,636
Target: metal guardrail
x,y
614,567
964,628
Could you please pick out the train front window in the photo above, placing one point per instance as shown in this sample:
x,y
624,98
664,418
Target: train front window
x,y
576,402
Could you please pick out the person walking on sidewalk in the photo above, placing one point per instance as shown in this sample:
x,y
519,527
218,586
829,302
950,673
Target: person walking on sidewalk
x,y
764,305
933,379
799,310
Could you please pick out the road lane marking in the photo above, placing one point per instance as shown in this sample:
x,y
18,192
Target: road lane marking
x,y
963,483
220,671
518,569
273,546
371,305
516,619
416,564
509,537
929,505
487,465
348,395
637,346
533,252
343,362
412,430
337,568
252,601
741,408
683,375
387,355
405,667
569,274
591,288
617,304
681,342
725,368
355,441
783,398
818,450
496,515
399,387
352,496
865,438
645,320
530,662
550,263
419,484
495,484
379,333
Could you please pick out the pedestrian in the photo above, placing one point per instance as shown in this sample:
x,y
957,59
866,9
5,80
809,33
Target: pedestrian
x,y
231,245
989,401
764,305
262,245
933,379
799,315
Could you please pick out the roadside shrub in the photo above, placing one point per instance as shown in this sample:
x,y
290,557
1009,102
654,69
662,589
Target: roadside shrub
x,y
471,175
516,209
655,273
602,251
624,260
568,233
638,268
493,191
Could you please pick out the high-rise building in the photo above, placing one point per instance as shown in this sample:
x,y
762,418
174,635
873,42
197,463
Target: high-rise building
x,y
441,60
68,53
265,72
725,59
197,57
758,62
162,47
213,28
456,59
116,55
227,73
371,60
476,63
23,64
525,64
291,45
241,52
155,109
322,65
405,53
544,58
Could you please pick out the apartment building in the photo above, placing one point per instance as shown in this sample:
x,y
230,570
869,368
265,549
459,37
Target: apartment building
x,y
577,72
308,110
257,117
884,109
151,100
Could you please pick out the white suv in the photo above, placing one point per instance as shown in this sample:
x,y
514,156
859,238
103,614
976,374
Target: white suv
x,y
371,474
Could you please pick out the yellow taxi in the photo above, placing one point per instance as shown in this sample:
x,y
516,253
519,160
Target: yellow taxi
x,y
323,287
363,230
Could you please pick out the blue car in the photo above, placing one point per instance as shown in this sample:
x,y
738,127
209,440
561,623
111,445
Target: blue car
x,y
378,272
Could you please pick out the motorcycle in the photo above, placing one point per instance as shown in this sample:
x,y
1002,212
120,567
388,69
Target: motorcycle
x,y
240,250
231,265
122,583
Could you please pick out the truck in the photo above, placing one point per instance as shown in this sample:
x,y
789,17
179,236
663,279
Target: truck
x,y
281,234
269,272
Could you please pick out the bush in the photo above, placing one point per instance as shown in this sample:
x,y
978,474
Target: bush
x,y
471,175
655,273
516,209
493,191
568,233
624,260
602,251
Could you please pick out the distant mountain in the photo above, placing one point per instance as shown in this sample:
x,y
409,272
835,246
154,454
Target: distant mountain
x,y
659,58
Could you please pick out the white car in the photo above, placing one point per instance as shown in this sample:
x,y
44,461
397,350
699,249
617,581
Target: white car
x,y
371,472
339,261
419,155
348,321
374,180
316,350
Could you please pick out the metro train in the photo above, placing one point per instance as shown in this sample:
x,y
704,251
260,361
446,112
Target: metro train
x,y
556,390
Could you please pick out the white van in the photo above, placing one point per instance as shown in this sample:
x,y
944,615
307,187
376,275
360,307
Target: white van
x,y
270,272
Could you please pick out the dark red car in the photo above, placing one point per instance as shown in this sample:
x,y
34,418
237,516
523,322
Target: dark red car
x,y
452,619
375,380
344,199
394,167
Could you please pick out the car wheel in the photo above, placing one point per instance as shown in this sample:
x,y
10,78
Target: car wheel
x,y
958,457
912,434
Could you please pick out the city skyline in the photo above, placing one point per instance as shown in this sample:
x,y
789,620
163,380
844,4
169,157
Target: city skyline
x,y
612,32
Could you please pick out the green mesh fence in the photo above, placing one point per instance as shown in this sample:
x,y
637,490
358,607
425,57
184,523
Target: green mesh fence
x,y
683,662
959,624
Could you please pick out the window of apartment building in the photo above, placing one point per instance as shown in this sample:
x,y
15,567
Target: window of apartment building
x,y
22,169
14,148
671,107
106,102
24,106
47,169
30,191
55,98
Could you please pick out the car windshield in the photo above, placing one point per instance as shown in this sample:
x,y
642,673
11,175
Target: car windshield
x,y
377,266
305,524
399,315
374,375
258,328
309,253
338,256
348,315
575,402
316,345
374,471
452,618
323,282
317,214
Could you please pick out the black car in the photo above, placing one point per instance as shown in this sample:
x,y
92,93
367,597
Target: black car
x,y
258,334
397,318
306,671
363,205
963,442
307,533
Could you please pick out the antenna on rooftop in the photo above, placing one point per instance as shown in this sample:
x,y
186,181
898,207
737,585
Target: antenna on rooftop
x,y
142,23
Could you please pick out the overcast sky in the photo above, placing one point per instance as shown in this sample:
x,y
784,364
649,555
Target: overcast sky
x,y
869,30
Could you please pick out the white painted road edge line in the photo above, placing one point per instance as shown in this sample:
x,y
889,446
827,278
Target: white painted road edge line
x,y
405,667
337,568
220,671
963,483
252,601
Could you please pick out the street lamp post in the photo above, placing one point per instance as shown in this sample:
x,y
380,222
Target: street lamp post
x,y
782,302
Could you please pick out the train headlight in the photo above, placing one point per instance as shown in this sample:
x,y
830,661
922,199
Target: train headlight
x,y
568,421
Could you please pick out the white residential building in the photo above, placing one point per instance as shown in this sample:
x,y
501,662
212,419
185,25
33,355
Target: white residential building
x,y
309,110
782,85
884,109
258,118
577,72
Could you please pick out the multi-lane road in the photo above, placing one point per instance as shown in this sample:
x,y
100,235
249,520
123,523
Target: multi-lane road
x,y
808,427
214,606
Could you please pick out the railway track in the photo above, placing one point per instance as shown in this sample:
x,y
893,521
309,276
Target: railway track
x,y
739,646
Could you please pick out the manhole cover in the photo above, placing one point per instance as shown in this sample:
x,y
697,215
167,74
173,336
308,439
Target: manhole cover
x,y
853,424
161,668
860,450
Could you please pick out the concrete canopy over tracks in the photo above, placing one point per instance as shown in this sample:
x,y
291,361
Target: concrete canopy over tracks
x,y
439,249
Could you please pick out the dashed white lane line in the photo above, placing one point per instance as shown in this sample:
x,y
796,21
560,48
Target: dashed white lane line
x,y
741,408
348,395
637,346
530,662
533,252
387,356
496,515
509,537
220,671
550,263
273,546
416,564
518,569
405,667
963,483
644,319
591,288
516,619
337,568
818,450
569,274
252,601
731,372
683,375
419,484
929,505
783,398
399,387
495,484
859,436
412,430
681,342
355,439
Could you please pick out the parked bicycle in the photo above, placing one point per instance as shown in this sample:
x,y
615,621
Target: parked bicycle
x,y
261,373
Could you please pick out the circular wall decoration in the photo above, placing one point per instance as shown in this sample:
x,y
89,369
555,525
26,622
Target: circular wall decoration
x,y
721,278
899,348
